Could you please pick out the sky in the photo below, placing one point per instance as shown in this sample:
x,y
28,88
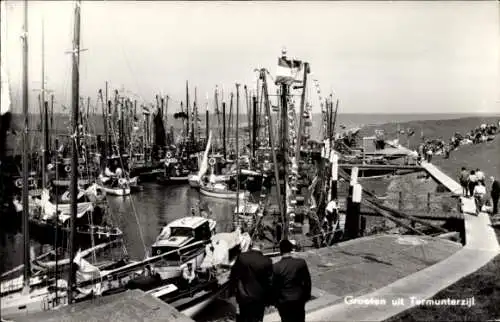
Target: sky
x,y
375,57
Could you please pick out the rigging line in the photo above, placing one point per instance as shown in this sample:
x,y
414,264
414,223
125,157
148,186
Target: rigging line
x,y
126,60
131,197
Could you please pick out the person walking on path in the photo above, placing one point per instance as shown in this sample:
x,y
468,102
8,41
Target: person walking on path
x,y
472,181
480,176
251,278
429,154
292,285
495,193
479,195
463,177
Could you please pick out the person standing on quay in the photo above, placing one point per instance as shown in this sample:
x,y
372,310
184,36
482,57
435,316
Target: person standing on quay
x,y
495,194
472,182
292,285
480,176
251,278
463,178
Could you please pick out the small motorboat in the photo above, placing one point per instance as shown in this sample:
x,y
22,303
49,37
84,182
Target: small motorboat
x,y
177,235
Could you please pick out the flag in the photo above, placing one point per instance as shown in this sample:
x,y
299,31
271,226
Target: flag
x,y
288,70
145,110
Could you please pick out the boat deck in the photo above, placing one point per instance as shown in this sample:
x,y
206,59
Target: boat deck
x,y
127,306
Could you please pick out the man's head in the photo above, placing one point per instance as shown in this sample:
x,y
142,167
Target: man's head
x,y
286,247
492,178
463,169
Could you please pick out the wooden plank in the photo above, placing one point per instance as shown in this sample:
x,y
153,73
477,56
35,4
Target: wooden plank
x,y
442,178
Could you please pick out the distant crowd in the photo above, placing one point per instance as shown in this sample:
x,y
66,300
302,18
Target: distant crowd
x,y
483,133
474,185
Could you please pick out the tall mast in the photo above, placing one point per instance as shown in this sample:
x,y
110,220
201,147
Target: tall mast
x,y
25,220
267,106
187,110
237,153
301,118
249,122
224,129
43,116
74,158
284,149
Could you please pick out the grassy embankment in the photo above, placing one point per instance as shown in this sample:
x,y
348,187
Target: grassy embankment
x,y
484,284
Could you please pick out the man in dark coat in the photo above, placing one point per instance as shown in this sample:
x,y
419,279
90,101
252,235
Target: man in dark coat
x,y
251,278
495,193
292,285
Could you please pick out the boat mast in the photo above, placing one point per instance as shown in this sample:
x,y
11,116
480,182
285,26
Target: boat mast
x,y
74,157
25,220
44,115
187,111
301,115
267,105
284,148
249,124
224,129
237,155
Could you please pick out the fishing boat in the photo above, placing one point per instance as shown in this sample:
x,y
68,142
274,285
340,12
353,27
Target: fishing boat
x,y
46,217
116,187
221,191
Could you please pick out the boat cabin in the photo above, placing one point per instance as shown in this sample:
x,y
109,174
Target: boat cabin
x,y
183,232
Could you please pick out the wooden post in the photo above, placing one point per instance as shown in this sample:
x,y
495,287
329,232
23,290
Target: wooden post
x,y
400,202
334,159
355,209
352,220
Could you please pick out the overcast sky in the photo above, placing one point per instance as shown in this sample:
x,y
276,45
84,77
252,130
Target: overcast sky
x,y
377,57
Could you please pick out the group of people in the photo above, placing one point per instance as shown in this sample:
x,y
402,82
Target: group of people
x,y
258,283
483,133
473,183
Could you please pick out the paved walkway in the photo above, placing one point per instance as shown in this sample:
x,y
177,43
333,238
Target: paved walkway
x,y
480,248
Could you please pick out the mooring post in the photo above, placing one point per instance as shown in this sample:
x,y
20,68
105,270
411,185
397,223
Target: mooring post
x,y
334,159
355,209
352,222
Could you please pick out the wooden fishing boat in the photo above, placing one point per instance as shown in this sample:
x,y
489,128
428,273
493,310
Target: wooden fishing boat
x,y
115,191
221,191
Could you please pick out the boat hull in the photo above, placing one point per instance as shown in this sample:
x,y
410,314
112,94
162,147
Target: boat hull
x,y
221,194
115,191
